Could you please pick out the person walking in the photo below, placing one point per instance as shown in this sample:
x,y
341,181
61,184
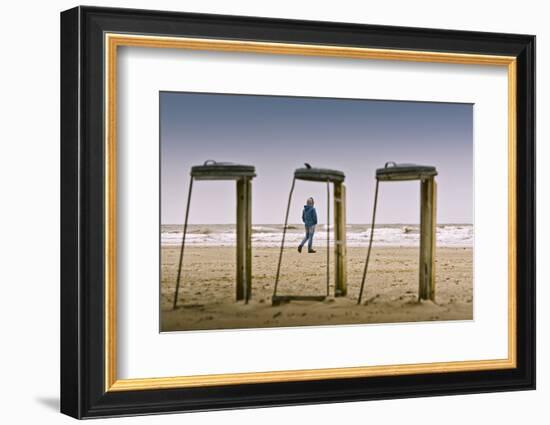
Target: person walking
x,y
309,217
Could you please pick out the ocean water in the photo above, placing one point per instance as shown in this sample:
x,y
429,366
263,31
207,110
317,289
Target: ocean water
x,y
270,235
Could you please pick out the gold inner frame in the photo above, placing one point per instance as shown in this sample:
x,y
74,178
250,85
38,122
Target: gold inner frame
x,y
113,41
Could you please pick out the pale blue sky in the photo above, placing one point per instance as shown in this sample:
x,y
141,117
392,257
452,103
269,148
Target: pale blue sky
x,y
278,134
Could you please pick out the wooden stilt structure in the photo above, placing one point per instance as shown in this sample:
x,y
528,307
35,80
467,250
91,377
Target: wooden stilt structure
x,y
339,193
428,188
243,175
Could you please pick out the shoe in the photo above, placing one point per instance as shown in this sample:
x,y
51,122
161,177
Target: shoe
x,y
311,251
299,249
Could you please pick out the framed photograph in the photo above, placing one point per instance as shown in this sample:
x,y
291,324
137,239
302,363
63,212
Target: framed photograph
x,y
261,212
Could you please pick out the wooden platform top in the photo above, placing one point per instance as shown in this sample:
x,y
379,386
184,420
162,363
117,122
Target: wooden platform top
x,y
319,174
400,172
212,170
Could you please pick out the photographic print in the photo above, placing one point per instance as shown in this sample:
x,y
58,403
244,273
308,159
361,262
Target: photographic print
x,y
281,211
310,196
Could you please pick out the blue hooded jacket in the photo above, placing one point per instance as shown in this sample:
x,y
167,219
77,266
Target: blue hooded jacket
x,y
309,215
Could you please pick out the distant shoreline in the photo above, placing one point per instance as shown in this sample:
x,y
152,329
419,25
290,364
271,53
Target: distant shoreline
x,y
358,235
301,224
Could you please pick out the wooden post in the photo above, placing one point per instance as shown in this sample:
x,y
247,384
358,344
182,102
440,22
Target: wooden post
x,y
244,232
434,234
340,252
427,239
248,269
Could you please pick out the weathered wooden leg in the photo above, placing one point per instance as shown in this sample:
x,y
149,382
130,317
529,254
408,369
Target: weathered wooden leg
x,y
248,238
434,234
243,239
340,240
427,239
182,249
282,249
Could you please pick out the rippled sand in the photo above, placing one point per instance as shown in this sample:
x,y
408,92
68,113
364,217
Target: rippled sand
x,y
207,293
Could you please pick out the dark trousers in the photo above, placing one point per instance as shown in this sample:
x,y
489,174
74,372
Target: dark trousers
x,y
310,231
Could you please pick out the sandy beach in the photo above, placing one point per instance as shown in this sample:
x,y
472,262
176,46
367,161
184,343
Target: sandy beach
x,y
207,292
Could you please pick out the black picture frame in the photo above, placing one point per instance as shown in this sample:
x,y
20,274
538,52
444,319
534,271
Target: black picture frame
x,y
83,392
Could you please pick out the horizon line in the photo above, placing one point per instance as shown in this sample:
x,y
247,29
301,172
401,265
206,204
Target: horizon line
x,y
362,224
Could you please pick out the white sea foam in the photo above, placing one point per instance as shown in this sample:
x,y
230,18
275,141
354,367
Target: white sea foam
x,y
270,235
